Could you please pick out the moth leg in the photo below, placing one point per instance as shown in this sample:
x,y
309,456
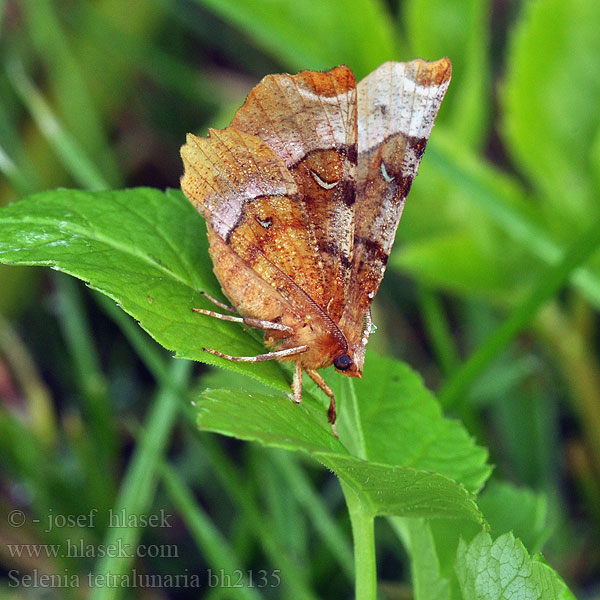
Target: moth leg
x,y
297,382
258,323
331,413
219,303
259,357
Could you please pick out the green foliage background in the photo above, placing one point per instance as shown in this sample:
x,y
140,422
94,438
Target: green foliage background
x,y
491,296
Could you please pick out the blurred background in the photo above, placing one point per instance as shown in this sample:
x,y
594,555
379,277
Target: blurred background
x,y
100,94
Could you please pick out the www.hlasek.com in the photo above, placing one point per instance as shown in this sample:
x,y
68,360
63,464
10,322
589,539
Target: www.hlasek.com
x,y
78,548
239,578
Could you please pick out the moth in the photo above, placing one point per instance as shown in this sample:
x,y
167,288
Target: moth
x,y
302,195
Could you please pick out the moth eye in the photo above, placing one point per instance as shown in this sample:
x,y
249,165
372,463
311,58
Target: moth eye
x,y
342,362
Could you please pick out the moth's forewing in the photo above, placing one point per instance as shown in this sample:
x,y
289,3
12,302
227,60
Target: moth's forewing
x,y
309,120
397,105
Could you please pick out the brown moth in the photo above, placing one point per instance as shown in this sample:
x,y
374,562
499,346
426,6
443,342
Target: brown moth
x,y
302,195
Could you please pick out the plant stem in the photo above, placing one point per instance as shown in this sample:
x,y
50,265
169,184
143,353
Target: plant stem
x,y
363,534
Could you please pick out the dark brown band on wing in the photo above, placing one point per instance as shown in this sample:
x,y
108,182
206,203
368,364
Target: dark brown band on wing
x,y
348,192
332,249
350,151
418,145
402,171
414,142
374,249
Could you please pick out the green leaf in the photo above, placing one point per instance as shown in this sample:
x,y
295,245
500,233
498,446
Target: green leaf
x,y
145,249
551,97
450,559
385,489
520,510
389,404
303,35
389,416
269,419
503,569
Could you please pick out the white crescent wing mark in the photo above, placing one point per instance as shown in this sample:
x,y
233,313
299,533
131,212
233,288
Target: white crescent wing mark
x,y
385,174
324,184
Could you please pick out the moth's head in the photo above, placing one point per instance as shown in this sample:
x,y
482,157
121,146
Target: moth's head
x,y
345,364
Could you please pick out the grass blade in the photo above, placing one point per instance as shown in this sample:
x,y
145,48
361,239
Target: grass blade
x,y
549,284
139,483
490,191
208,538
75,104
65,145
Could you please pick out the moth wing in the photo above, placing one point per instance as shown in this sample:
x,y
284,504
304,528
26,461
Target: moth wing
x,y
250,200
397,105
310,122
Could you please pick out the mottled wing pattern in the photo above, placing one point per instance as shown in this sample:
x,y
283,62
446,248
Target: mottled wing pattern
x,y
309,120
302,195
397,105
250,200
